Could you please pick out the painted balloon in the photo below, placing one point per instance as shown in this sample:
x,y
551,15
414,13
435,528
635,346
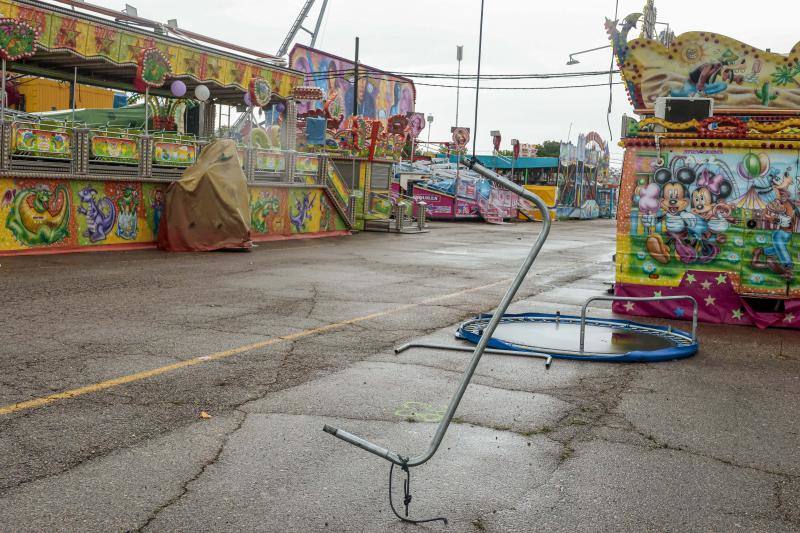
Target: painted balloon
x,y
202,93
764,161
752,165
177,88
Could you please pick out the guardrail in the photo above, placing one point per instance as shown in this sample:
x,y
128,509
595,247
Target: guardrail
x,y
635,299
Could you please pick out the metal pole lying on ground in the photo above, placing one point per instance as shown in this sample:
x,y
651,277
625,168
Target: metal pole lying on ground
x,y
409,461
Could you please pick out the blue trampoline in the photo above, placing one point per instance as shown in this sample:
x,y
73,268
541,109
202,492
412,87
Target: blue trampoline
x,y
582,338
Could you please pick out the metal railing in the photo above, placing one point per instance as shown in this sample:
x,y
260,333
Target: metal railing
x,y
634,299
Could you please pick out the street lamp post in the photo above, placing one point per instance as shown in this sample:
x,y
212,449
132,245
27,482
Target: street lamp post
x,y
573,61
459,57
430,125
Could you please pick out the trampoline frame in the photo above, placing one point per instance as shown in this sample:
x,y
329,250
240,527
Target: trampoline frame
x,y
685,342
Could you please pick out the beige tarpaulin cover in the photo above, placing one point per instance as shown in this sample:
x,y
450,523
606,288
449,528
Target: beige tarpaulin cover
x,y
208,208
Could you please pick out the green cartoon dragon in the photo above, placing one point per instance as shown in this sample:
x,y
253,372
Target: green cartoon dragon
x,y
40,216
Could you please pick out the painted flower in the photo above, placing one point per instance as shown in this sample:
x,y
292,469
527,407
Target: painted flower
x,y
649,267
757,278
761,239
733,257
738,241
641,255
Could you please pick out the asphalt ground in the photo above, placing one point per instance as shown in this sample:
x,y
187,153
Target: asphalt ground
x,y
186,392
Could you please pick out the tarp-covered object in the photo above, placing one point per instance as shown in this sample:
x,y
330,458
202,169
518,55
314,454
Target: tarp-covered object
x,y
208,208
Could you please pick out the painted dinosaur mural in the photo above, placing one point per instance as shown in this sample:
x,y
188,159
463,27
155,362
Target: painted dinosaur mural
x,y
40,215
100,214
71,214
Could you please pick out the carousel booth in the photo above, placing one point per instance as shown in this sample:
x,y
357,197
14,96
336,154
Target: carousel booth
x,y
581,165
71,185
360,156
708,203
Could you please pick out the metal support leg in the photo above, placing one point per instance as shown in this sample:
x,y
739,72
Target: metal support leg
x,y
405,461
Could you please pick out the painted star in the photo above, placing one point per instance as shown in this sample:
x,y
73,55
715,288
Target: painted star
x,y
706,285
710,300
213,70
68,36
788,318
690,278
190,63
657,294
721,279
679,311
103,44
737,314
629,306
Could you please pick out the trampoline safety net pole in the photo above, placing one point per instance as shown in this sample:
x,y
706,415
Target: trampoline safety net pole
x,y
406,461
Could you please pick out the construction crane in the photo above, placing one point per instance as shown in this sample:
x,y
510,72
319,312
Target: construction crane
x,y
298,25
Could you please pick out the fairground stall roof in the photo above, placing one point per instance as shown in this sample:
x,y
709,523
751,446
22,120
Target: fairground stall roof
x,y
107,52
741,79
521,163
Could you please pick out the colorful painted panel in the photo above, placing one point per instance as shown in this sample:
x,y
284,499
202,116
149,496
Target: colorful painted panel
x,y
115,149
174,154
276,211
708,65
91,39
37,214
270,161
382,95
730,211
41,143
306,164
337,184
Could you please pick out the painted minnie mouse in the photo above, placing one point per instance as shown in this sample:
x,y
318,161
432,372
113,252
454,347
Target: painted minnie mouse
x,y
694,222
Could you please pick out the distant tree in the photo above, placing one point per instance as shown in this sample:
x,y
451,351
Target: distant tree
x,y
549,149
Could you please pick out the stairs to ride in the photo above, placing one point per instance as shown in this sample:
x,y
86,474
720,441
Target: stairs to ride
x,y
340,207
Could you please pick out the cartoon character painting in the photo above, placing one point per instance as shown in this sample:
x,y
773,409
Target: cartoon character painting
x,y
128,221
301,212
261,208
156,209
689,198
711,78
781,213
100,214
380,95
39,215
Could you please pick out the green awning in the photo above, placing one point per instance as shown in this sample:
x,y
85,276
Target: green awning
x,y
121,117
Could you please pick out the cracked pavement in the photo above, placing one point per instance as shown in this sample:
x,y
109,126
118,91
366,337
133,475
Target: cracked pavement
x,y
710,443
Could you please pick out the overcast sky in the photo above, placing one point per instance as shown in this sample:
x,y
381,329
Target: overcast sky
x,y
520,36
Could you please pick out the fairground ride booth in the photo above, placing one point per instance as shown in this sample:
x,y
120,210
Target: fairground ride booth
x,y
581,165
709,203
67,185
362,146
537,174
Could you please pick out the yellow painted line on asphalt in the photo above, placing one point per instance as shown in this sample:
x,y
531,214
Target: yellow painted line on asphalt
x,y
139,376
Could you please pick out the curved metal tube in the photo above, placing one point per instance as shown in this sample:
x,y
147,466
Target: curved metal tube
x,y
485,338
636,299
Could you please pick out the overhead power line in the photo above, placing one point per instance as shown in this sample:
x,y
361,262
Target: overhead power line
x,y
605,84
341,73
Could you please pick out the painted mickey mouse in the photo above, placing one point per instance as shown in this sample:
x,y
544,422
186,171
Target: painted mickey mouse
x,y
687,217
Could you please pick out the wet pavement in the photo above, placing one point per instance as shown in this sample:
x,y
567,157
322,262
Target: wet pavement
x,y
276,343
